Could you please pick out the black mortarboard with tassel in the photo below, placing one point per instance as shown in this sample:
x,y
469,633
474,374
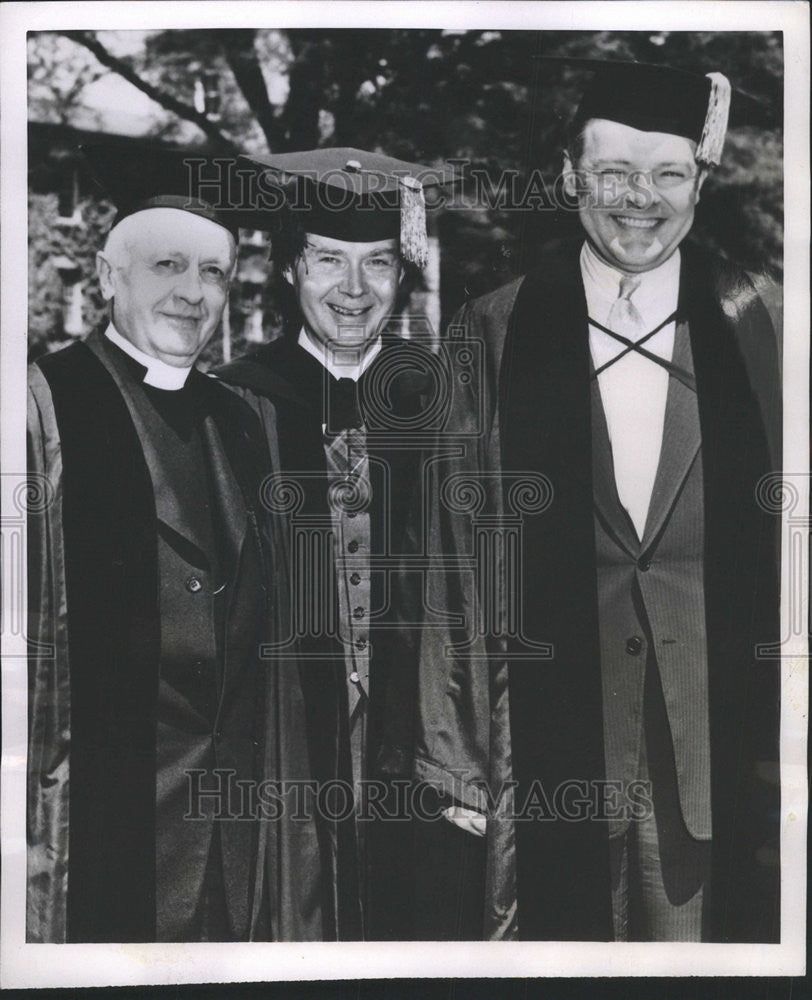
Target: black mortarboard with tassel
x,y
658,98
356,196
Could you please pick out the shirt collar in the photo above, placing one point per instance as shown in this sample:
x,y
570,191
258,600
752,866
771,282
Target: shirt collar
x,y
327,357
656,296
158,373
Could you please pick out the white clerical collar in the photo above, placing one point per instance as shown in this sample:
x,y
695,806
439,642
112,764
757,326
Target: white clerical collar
x,y
329,357
657,292
159,374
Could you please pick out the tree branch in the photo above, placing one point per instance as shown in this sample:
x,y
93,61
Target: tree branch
x,y
238,45
185,111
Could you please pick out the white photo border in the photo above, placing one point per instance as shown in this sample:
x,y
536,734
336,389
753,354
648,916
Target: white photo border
x,y
40,965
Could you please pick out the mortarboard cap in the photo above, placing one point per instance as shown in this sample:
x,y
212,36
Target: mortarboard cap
x,y
656,98
357,196
137,178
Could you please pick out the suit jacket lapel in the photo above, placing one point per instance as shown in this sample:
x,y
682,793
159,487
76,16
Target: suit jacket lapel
x,y
681,441
609,508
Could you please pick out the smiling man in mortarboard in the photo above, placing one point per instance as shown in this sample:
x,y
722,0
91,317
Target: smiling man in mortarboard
x,y
641,377
154,577
342,394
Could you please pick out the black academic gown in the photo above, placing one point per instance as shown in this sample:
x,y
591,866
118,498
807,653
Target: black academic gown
x,y
295,385
140,678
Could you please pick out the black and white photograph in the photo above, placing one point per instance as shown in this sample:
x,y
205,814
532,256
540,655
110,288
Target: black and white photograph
x,y
405,490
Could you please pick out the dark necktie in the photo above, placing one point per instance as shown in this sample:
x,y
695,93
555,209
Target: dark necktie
x,y
343,410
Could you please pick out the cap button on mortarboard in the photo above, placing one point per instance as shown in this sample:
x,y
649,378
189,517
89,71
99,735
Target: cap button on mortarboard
x,y
353,166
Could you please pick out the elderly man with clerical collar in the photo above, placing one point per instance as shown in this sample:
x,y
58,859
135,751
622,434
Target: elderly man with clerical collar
x,y
638,378
156,576
344,395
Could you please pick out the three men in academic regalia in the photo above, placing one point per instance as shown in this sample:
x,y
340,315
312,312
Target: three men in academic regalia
x,y
156,576
637,379
205,637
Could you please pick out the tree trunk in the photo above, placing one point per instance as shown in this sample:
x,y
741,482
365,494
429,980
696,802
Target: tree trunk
x,y
241,56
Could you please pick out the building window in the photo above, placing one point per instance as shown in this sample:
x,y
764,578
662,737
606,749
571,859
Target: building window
x,y
70,275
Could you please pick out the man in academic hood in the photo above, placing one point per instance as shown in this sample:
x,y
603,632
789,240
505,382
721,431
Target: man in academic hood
x,y
156,576
350,403
636,383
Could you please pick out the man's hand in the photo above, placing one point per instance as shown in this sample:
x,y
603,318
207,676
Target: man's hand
x,y
466,819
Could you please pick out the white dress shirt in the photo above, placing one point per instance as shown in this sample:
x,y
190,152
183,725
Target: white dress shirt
x,y
633,389
333,357
159,373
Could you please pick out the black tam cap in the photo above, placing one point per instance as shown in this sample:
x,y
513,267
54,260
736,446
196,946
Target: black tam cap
x,y
357,196
655,98
137,178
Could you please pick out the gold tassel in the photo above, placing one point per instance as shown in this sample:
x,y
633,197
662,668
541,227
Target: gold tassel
x,y
712,141
414,244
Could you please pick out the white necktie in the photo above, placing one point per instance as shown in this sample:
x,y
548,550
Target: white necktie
x,y
623,316
633,392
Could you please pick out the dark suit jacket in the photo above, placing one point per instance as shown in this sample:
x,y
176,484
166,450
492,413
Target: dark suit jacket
x,y
651,602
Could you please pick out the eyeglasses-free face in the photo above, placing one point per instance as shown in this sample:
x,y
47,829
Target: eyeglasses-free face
x,y
346,290
167,272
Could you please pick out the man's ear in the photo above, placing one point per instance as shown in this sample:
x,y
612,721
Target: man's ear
x,y
104,269
700,180
287,274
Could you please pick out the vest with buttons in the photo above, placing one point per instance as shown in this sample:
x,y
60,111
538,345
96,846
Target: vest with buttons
x,y
209,695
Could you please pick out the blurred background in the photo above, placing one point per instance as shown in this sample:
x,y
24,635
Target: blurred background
x,y
477,97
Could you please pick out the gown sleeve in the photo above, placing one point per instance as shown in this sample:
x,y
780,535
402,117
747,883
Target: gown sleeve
x,y
48,676
462,743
